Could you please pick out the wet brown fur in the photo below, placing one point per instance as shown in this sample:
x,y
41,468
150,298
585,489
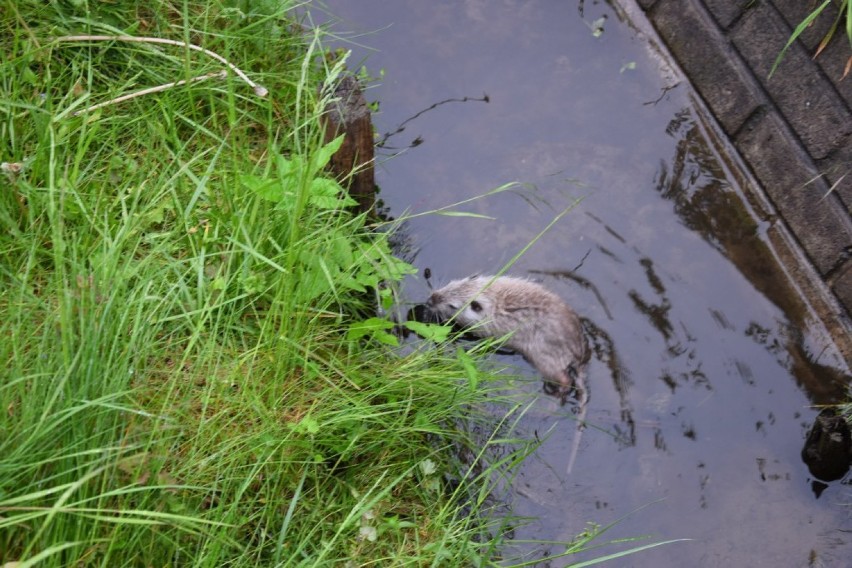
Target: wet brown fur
x,y
540,326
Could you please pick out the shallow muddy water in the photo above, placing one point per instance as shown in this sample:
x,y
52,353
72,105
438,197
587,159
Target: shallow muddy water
x,y
706,365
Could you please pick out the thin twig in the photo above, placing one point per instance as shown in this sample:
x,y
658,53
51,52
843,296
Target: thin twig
x,y
259,90
582,260
417,141
221,74
664,92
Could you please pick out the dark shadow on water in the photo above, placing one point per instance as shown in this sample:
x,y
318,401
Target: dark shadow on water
x,y
702,196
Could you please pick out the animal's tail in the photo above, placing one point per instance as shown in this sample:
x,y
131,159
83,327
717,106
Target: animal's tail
x,y
578,376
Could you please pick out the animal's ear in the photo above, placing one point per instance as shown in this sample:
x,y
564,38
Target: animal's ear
x,y
476,306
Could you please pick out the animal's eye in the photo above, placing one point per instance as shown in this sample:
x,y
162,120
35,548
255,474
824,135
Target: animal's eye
x,y
453,307
476,306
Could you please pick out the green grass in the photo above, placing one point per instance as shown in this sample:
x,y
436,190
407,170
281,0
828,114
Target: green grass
x,y
190,380
842,21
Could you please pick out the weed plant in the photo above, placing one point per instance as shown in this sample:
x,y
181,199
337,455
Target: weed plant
x,y
192,374
843,21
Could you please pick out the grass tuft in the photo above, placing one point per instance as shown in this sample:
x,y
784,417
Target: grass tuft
x,y
843,21
178,276
194,376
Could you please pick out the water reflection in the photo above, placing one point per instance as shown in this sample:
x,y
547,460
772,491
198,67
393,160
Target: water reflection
x,y
701,190
704,356
657,314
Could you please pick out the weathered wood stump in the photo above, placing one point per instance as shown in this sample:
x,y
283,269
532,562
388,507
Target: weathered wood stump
x,y
349,114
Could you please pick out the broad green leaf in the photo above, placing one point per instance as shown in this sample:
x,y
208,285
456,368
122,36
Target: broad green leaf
x,y
289,167
328,194
362,328
313,282
375,328
323,156
386,296
397,268
306,425
348,282
431,331
386,338
269,189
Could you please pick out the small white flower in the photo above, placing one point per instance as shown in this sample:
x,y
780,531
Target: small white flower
x,y
428,467
368,533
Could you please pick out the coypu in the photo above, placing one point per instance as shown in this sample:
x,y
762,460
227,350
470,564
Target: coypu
x,y
539,325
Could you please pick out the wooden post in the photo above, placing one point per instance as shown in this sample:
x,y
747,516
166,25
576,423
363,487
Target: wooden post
x,y
348,113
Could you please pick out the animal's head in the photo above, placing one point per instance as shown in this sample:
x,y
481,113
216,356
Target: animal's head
x,y
465,295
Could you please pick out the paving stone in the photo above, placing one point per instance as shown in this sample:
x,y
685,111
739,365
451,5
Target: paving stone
x,y
707,58
795,11
833,63
838,170
715,42
726,11
806,98
821,225
842,287
646,4
833,58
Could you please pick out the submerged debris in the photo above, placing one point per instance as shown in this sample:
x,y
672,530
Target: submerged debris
x,y
828,447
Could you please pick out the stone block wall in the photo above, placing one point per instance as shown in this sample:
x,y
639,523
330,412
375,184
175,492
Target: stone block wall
x,y
793,129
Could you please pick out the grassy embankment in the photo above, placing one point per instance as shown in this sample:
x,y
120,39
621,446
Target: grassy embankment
x,y
182,289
